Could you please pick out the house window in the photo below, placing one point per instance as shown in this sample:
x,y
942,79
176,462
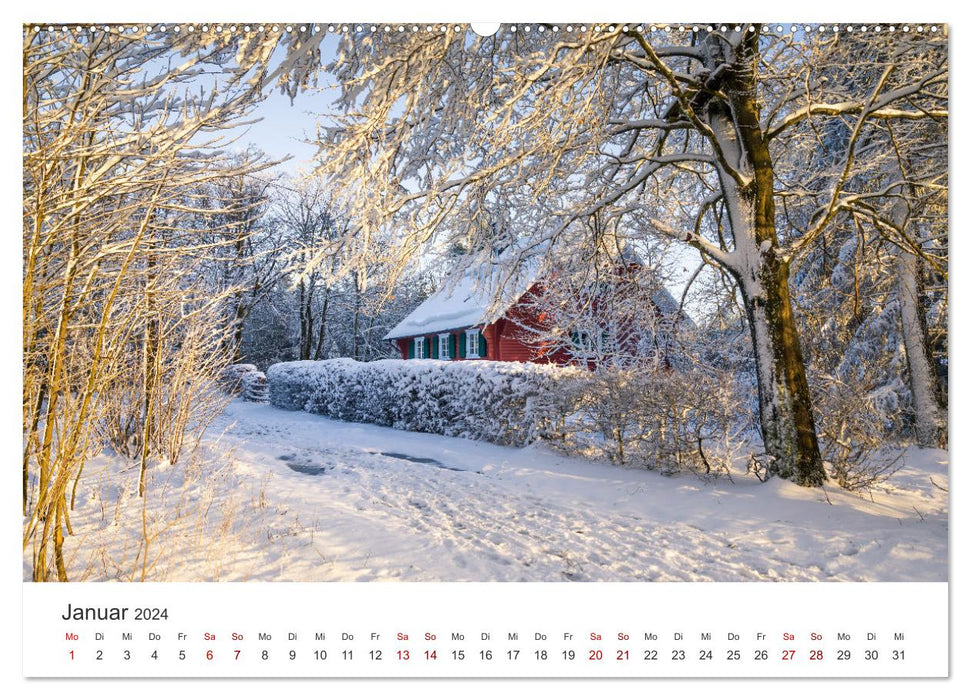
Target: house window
x,y
443,345
584,344
472,343
419,348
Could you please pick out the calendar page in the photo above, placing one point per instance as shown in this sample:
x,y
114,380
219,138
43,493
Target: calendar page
x,y
400,346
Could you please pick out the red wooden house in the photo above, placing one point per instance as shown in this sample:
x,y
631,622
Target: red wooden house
x,y
456,323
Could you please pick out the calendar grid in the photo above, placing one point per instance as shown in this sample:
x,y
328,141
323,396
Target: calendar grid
x,y
478,630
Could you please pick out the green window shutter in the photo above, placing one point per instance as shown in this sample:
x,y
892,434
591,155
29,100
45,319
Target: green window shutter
x,y
452,346
433,342
411,349
482,345
462,344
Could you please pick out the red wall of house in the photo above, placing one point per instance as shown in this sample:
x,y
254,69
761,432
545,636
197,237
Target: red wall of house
x,y
518,322
504,338
492,346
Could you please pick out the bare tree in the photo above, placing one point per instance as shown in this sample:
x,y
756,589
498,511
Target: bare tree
x,y
117,326
247,246
929,410
705,133
602,305
894,227
314,234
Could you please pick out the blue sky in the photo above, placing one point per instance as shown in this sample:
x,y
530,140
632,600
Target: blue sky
x,y
284,126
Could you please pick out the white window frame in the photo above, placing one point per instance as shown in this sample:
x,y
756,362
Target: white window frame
x,y
472,340
586,346
444,343
419,348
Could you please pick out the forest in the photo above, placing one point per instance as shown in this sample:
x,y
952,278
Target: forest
x,y
788,185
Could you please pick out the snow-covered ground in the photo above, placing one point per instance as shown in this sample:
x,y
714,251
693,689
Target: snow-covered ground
x,y
280,495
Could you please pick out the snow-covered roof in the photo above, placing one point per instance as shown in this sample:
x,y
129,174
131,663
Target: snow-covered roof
x,y
465,303
666,303
468,301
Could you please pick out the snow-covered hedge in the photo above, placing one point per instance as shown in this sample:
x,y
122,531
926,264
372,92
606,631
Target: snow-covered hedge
x,y
231,378
255,388
655,419
503,402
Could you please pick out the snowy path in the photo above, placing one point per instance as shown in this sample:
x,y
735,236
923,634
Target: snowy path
x,y
358,502
281,495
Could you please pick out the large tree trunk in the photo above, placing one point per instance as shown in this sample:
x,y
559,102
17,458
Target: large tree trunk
x,y
747,178
785,407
